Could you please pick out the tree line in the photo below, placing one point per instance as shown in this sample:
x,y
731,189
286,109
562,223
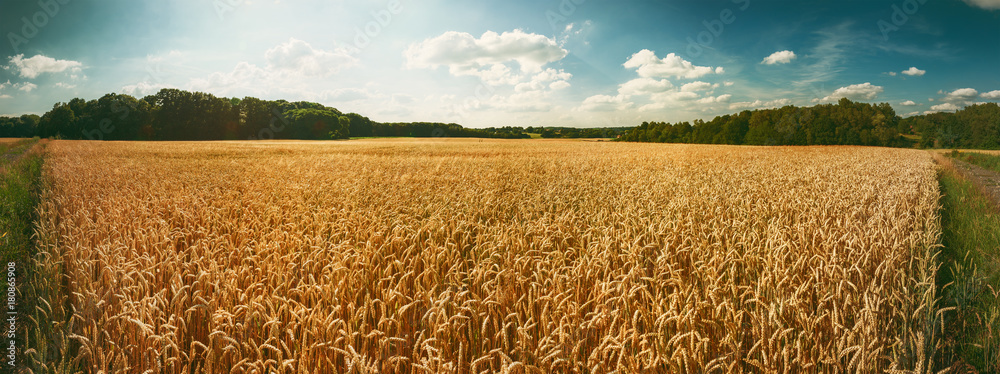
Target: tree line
x,y
844,123
977,126
173,114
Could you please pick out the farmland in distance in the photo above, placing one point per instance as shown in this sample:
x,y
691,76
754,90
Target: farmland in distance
x,y
447,255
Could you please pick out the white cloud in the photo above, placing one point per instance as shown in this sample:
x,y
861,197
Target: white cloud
x,y
650,66
946,107
780,57
643,86
913,71
144,88
290,66
245,78
528,101
891,73
298,58
863,91
548,78
559,85
605,103
26,86
486,56
985,4
718,99
758,104
992,95
960,95
5,96
32,67
697,86
728,83
908,103
346,94
65,85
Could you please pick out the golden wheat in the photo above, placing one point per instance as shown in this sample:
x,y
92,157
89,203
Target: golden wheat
x,y
487,256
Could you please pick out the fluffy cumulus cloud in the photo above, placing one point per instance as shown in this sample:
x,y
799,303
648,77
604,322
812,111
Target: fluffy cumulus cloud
x,y
644,86
946,107
669,99
34,66
960,95
520,102
297,57
26,86
288,65
697,86
863,91
23,86
144,88
245,77
717,99
908,103
992,95
605,103
652,90
780,57
985,4
760,104
486,56
914,72
546,79
647,65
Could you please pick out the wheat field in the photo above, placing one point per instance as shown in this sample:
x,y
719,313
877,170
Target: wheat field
x,y
468,256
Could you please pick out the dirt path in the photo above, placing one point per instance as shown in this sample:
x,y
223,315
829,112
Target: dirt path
x,y
985,179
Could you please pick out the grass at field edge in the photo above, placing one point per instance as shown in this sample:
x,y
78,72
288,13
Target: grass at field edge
x,y
20,189
20,177
983,160
970,273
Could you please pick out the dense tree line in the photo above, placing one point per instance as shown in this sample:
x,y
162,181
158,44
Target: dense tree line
x,y
575,133
19,127
844,123
976,126
173,114
432,129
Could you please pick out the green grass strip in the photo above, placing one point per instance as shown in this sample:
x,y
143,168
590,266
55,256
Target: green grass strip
x,y
971,257
982,160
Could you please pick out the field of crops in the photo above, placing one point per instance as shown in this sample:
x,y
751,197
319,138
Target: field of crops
x,y
408,255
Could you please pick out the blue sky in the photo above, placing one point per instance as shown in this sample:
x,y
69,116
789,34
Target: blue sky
x,y
486,63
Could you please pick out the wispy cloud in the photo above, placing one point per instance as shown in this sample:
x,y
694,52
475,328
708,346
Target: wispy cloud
x,y
828,56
